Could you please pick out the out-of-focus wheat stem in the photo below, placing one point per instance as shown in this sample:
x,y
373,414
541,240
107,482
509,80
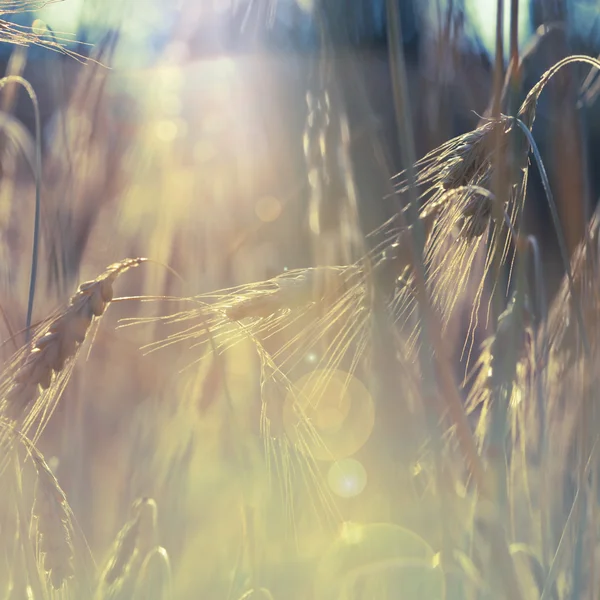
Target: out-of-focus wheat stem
x,y
514,37
561,241
38,192
555,565
430,327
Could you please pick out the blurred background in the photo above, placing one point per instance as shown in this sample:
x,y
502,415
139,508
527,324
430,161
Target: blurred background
x,y
224,89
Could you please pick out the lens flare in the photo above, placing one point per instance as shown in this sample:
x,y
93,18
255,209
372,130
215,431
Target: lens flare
x,y
380,557
268,209
329,414
39,27
347,478
167,130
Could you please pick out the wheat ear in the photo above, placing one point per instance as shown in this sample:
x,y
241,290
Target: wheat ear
x,y
41,362
53,523
134,542
52,515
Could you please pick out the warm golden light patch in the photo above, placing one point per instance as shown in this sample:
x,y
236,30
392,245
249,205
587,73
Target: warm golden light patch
x,y
351,532
268,209
170,78
306,5
39,27
380,559
171,104
329,414
347,478
204,150
167,130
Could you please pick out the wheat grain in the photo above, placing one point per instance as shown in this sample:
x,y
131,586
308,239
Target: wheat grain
x,y
51,511
477,214
53,523
458,208
134,542
462,161
39,370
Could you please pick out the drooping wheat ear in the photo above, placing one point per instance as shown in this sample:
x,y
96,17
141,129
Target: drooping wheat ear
x,y
54,523
455,246
44,364
472,160
464,160
134,542
455,181
451,178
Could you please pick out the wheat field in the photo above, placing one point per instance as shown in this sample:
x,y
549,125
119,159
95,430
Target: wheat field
x,y
261,343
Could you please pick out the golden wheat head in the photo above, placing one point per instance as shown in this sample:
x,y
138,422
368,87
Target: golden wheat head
x,y
38,373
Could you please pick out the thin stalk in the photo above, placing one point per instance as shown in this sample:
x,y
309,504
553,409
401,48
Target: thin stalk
x,y
502,568
430,327
540,382
499,173
561,240
514,83
565,537
500,192
498,61
38,193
